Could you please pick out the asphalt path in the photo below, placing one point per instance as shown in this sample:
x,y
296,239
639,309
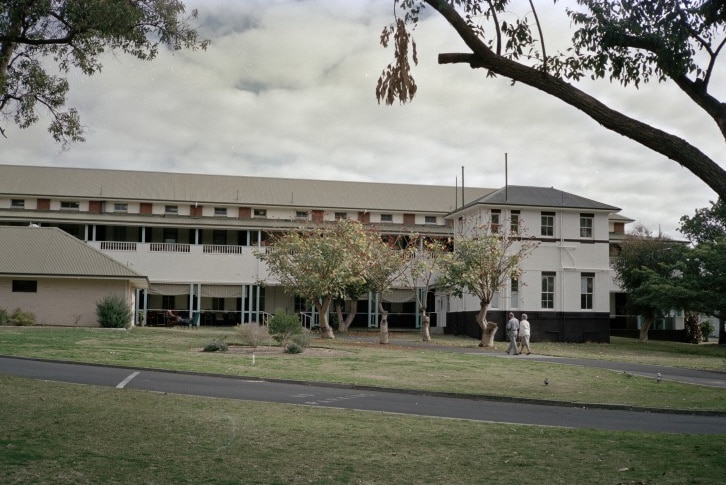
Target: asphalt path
x,y
367,399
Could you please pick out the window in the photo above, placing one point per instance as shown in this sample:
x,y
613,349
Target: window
x,y
548,290
168,302
341,215
260,212
301,214
17,203
171,209
70,205
218,304
514,222
120,207
220,211
170,235
386,217
430,220
548,224
587,284
219,237
586,225
25,286
496,221
515,293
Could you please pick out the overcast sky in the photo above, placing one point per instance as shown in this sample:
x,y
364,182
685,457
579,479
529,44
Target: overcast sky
x,y
287,89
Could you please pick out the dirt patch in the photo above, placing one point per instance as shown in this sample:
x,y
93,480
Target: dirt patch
x,y
269,350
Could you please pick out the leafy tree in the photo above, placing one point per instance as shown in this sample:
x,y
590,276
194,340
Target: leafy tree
x,y
650,269
423,269
482,263
385,262
707,230
319,263
629,41
74,34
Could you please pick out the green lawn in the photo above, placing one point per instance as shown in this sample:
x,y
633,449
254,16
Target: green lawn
x,y
58,433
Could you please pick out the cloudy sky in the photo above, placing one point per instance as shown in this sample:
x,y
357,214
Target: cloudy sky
x,y
287,89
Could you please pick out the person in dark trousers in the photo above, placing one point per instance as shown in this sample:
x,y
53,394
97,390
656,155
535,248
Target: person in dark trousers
x,y
512,331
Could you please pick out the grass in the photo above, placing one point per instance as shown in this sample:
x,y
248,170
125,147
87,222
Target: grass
x,y
360,362
54,433
62,433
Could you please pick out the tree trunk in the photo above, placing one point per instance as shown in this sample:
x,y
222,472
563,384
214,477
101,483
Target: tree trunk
x,y
344,324
721,331
425,325
488,329
647,321
326,331
383,325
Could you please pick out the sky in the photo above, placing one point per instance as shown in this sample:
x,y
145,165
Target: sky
x,y
287,89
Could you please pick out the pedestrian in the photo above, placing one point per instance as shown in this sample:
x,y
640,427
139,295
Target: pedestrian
x,y
524,334
512,330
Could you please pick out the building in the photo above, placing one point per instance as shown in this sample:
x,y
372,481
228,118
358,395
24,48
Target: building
x,y
58,278
194,236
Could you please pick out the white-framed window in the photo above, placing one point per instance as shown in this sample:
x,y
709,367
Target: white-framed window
x,y
171,209
301,214
496,220
548,290
341,215
220,211
514,292
260,212
217,304
386,217
70,205
514,222
587,289
547,225
430,220
586,225
120,207
17,203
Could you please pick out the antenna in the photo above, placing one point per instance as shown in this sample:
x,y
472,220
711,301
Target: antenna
x,y
506,178
462,186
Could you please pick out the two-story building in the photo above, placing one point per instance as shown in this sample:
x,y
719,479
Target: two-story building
x,y
194,237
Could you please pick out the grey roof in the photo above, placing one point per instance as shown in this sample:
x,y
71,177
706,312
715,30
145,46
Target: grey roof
x,y
121,185
545,197
49,251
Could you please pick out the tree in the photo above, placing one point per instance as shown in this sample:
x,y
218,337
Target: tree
x,y
385,262
650,269
482,263
74,34
319,263
707,231
629,41
423,268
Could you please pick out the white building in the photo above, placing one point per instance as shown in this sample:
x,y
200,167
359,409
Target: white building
x,y
194,237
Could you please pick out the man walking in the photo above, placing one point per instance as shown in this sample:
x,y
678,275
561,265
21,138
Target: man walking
x,y
512,331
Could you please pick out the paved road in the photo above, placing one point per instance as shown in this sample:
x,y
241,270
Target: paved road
x,y
365,399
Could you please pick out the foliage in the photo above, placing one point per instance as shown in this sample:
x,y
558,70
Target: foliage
x,y
22,318
113,311
707,224
215,346
4,316
484,261
293,348
692,330
283,326
707,329
629,41
74,35
253,334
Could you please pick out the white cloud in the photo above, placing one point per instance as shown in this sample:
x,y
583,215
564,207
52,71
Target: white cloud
x,y
287,89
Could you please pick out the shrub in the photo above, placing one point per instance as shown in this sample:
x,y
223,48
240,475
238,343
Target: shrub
x,y
707,329
282,326
215,346
302,339
293,348
254,334
113,312
22,318
4,317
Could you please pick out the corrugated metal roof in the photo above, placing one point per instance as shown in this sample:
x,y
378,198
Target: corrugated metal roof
x,y
48,251
545,197
101,184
